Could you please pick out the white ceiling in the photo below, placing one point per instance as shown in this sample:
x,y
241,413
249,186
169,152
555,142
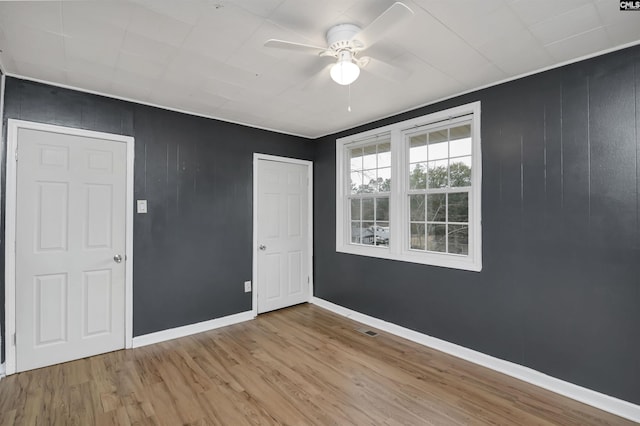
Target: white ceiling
x,y
207,57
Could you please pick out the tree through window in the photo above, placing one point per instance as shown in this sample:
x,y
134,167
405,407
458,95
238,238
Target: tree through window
x,y
439,185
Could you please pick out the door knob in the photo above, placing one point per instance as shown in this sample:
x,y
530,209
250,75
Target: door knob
x,y
262,247
117,258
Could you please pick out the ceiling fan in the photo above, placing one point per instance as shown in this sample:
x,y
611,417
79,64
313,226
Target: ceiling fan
x,y
346,41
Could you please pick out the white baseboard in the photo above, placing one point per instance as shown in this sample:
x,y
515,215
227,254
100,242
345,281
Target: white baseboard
x,y
187,330
603,402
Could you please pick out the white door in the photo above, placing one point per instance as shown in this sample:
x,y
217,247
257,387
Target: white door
x,y
70,245
282,235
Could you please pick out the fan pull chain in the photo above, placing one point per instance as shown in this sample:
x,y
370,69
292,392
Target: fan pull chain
x,y
349,101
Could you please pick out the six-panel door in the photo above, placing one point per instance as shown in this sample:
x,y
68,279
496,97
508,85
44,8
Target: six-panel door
x,y
283,251
70,224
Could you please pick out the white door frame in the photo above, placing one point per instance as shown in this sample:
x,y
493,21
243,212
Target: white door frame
x,y
10,229
256,158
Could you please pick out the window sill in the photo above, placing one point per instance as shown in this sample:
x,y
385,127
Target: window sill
x,y
465,263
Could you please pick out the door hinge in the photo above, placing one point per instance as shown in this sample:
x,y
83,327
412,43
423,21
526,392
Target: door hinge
x,y
308,280
16,154
14,339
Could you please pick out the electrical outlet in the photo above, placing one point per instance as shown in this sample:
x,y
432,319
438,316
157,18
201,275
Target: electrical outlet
x,y
247,286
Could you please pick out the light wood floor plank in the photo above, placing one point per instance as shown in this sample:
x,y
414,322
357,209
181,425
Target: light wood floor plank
x,y
299,366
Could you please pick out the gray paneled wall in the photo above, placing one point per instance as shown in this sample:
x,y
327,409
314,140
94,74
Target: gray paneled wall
x,y
560,287
192,251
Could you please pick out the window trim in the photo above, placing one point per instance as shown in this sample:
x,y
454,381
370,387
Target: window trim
x,y
398,248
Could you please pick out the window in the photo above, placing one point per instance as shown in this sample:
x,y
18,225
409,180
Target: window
x,y
370,186
411,191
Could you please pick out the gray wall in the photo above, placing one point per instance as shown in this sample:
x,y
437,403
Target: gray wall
x,y
193,249
560,286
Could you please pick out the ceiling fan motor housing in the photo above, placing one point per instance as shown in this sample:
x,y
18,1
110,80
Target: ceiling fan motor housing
x,y
339,37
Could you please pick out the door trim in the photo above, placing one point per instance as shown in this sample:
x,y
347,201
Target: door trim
x,y
10,228
254,279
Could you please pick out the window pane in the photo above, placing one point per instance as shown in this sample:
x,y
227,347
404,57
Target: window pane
x,y
384,179
367,209
356,182
459,207
417,239
416,208
382,209
459,239
355,209
382,233
356,232
437,174
460,144
418,149
436,207
436,235
418,176
384,155
356,159
460,171
369,183
460,132
369,159
438,145
368,236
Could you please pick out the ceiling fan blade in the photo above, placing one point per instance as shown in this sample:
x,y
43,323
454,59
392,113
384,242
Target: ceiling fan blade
x,y
296,47
391,18
384,70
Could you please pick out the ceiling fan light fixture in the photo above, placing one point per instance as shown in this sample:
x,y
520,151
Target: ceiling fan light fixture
x,y
345,71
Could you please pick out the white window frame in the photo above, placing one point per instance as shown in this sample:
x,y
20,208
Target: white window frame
x,y
398,248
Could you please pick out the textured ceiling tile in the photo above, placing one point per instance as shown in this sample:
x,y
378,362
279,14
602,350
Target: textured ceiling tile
x,y
43,16
89,80
568,24
130,91
580,45
75,25
113,13
433,83
621,26
38,72
146,48
430,40
27,44
187,69
208,56
308,18
189,14
497,21
81,66
516,53
221,32
156,26
532,12
263,8
363,12
623,33
139,65
104,51
123,78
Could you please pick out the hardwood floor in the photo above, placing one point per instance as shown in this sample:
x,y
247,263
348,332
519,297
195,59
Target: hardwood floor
x,y
299,366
